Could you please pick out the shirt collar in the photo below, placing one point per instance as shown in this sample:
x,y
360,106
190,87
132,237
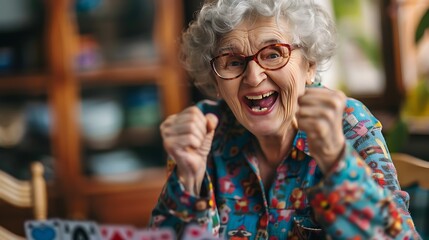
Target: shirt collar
x,y
300,142
230,144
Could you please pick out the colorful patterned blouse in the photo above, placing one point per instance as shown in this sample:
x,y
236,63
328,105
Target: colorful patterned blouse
x,y
359,199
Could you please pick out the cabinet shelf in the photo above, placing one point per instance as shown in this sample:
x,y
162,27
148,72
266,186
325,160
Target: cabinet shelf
x,y
29,83
139,180
122,74
132,137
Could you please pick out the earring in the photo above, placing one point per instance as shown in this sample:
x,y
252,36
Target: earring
x,y
309,82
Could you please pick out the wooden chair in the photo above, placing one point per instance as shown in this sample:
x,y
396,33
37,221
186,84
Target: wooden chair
x,y
24,194
411,170
414,172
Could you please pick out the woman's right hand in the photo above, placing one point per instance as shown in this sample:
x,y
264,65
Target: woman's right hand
x,y
187,138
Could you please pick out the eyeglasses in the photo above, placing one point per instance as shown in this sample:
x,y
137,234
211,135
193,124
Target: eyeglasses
x,y
272,57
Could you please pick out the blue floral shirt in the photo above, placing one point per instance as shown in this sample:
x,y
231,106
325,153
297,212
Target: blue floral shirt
x,y
359,199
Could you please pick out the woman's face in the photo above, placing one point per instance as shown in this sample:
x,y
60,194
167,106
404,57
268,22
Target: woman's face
x,y
279,89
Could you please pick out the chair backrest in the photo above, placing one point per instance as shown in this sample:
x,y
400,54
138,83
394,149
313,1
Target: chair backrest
x,y
411,170
24,194
413,176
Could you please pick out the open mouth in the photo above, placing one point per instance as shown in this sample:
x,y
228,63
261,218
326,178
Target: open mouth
x,y
261,103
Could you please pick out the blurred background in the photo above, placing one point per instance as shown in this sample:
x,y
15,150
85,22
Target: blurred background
x,y
84,85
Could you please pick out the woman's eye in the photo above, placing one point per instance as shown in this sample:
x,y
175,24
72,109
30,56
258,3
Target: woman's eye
x,y
270,54
273,55
234,62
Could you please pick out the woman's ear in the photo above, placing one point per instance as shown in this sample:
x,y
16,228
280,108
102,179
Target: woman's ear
x,y
311,72
216,88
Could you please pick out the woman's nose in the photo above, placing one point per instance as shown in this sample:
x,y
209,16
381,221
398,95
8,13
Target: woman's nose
x,y
254,74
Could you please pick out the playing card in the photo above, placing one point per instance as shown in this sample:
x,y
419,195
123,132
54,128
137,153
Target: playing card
x,y
79,230
196,232
155,234
43,230
116,232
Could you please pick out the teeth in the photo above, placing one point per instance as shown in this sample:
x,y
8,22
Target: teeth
x,y
268,94
259,109
259,97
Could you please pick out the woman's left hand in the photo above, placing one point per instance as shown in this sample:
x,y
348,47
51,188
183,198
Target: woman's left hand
x,y
320,115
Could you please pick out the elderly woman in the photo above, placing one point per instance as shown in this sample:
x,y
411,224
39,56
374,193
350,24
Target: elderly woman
x,y
277,155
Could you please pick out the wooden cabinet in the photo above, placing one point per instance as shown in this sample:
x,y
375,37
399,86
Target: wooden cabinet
x,y
125,198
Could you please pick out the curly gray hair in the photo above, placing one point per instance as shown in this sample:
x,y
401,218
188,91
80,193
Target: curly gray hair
x,y
311,27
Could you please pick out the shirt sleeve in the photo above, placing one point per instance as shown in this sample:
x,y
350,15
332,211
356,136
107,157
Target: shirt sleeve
x,y
176,207
361,197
